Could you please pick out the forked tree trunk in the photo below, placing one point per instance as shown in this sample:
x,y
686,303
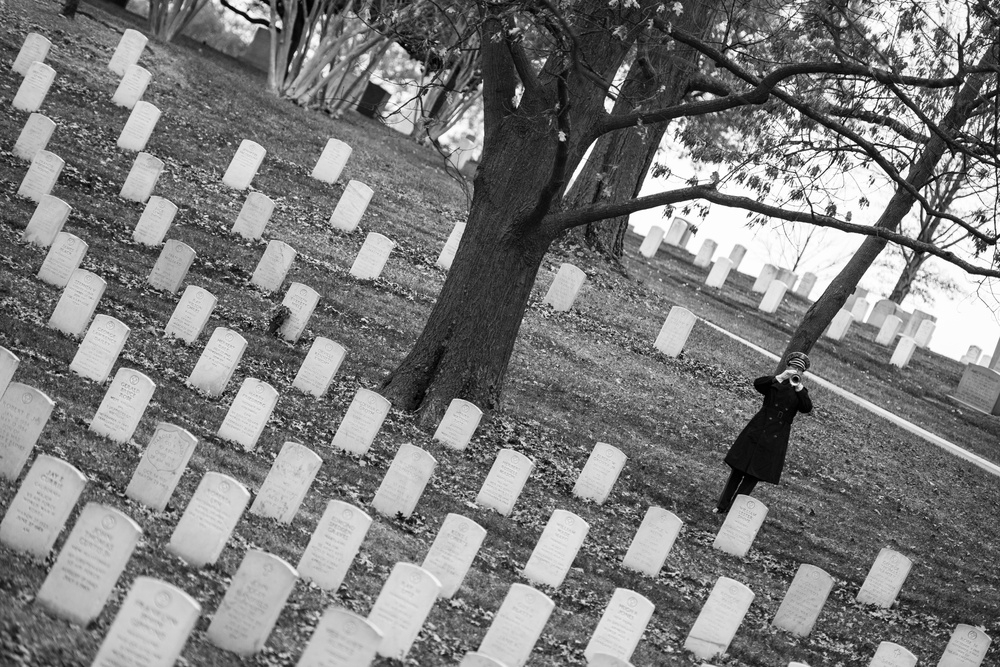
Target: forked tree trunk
x,y
908,276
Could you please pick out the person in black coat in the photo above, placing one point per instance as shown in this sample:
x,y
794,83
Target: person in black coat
x,y
758,455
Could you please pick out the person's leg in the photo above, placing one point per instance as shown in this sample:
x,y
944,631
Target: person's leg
x,y
729,493
747,485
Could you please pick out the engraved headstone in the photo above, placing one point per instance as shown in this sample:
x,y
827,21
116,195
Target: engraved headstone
x,y
600,473
77,303
676,231
171,266
41,506
719,619
100,348
517,625
341,639
505,480
891,326
859,309
161,466
218,362
966,648
804,600
839,325
924,333
764,279
704,257
128,51
885,579
372,257
63,258
882,309
404,481
333,545
452,552
331,161
741,526
273,266
675,331
191,314
458,424
252,603
621,626
139,127
244,165
8,365
155,221
123,405
86,570
450,248
24,412
34,49
650,244
720,271
401,608
892,655
151,627
47,221
34,136
34,87
565,287
556,549
300,300
652,542
805,286
209,519
318,368
736,256
979,388
248,414
361,422
287,483
773,297
141,178
132,87
351,206
903,353
41,176
254,216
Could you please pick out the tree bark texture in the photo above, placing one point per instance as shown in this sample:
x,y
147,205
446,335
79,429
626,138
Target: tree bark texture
x,y
907,277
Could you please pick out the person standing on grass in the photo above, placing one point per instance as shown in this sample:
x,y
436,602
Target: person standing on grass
x,y
758,455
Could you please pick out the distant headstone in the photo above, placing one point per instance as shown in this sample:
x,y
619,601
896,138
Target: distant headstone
x,y
41,506
806,285
736,256
600,473
860,292
331,161
676,231
372,257
273,266
972,355
351,206
987,361
447,255
244,165
652,542
565,287
462,154
903,353
287,483
34,87
992,361
171,266
218,362
720,271
128,51
123,406
788,277
401,608
86,570
686,238
621,626
773,297
839,325
151,627
979,388
767,274
63,258
301,301
191,314
719,619
459,424
804,600
41,176
341,639
924,333
254,216
319,367
885,579
849,304
556,549
47,221
859,310
24,412
34,49
139,127
141,178
154,222
882,309
650,244
891,326
333,545
100,348
452,552
361,422
741,526
209,519
77,304
916,319
505,480
132,87
404,481
675,331
161,466
252,603
8,365
34,136
892,655
966,648
248,414
517,625
705,254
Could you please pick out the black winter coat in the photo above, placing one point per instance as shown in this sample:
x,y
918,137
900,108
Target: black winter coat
x,y
760,448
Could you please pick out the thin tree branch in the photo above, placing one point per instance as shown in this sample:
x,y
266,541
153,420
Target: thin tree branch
x,y
251,19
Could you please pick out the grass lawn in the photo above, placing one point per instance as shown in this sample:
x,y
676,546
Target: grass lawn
x,y
853,483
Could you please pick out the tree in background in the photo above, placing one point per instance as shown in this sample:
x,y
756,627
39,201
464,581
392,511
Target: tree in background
x,y
169,18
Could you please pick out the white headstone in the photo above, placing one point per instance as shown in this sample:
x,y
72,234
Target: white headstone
x,y
273,266
676,231
41,506
401,608
41,176
248,414
475,659
86,570
736,256
128,51
301,301
972,355
650,244
361,422
452,552
447,255
556,549
63,258
979,388
885,579
161,466
171,266
787,276
100,348
333,545
773,297
132,87
859,309
892,655
565,287
341,639
139,127
913,323
882,309
621,626
992,361
254,216
652,542
606,660
924,333
287,483
319,367
720,271
244,165
675,331
141,178
77,304
8,365
218,362
805,286
764,279
209,519
903,353
372,257
741,525
123,406
47,221
404,481
331,161
517,625
34,136
966,648
151,627
987,361
24,412
839,325
458,424
505,480
154,222
719,619
252,603
34,49
34,87
600,473
891,326
804,600
351,206
704,257
191,314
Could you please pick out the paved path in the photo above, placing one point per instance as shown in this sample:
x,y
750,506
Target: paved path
x,y
949,447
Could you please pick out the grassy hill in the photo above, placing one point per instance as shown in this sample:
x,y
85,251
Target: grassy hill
x,y
853,484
